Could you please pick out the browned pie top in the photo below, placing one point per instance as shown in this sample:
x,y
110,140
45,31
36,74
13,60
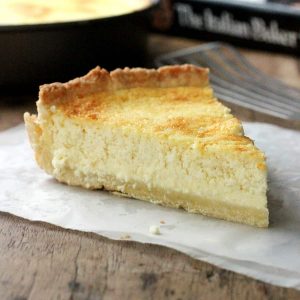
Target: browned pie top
x,y
173,101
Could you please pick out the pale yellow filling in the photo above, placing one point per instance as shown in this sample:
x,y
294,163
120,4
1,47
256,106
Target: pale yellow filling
x,y
158,169
178,147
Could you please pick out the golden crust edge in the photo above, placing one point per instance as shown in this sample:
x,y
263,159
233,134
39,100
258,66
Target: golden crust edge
x,y
100,80
41,153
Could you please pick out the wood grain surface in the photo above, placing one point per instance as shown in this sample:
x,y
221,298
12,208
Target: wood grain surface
x,y
41,261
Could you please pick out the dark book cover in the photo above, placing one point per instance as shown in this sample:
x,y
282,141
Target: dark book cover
x,y
253,23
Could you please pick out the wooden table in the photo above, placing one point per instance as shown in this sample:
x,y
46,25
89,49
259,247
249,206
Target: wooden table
x,y
41,261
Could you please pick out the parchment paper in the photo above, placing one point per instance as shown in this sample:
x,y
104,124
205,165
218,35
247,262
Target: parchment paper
x,y
271,255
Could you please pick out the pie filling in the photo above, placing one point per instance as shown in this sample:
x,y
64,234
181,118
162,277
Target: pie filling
x,y
155,135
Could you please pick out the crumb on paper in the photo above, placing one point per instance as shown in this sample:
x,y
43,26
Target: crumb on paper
x,y
162,222
154,229
125,237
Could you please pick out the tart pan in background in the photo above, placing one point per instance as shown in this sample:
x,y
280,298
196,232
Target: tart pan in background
x,y
31,55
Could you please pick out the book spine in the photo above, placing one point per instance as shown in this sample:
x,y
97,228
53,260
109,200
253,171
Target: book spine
x,y
242,25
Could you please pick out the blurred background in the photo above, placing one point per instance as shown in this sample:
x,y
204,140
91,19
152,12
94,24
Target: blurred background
x,y
42,42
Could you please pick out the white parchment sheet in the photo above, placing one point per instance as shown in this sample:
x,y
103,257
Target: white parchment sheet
x,y
271,255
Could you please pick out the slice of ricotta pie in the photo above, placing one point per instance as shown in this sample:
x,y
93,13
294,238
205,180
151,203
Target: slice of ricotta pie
x,y
155,135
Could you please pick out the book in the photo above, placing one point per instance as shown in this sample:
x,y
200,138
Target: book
x,y
271,26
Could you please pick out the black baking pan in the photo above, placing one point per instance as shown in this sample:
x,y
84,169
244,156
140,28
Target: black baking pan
x,y
31,55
